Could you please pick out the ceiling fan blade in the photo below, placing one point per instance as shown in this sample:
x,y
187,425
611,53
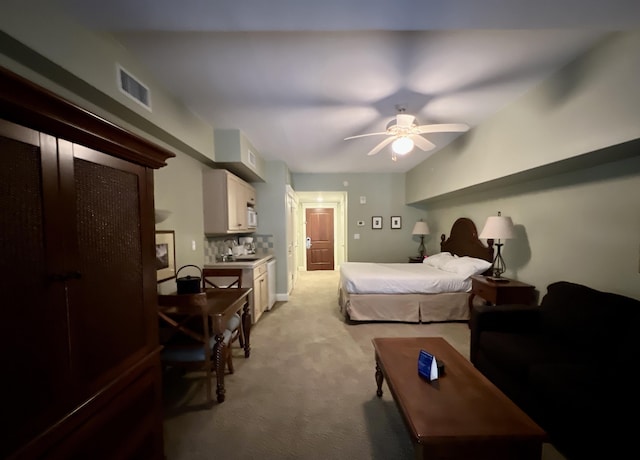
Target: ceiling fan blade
x,y
422,143
382,145
404,121
443,128
364,135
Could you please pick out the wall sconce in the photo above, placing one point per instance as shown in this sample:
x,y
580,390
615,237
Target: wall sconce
x,y
161,215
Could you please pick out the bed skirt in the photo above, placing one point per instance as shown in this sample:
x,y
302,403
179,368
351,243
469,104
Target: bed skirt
x,y
408,308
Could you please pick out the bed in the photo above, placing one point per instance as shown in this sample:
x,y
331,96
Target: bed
x,y
434,291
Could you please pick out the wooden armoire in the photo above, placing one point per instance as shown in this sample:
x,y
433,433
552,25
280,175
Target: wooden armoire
x,y
78,326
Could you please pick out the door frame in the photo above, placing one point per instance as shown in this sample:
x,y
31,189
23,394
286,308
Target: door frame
x,y
325,199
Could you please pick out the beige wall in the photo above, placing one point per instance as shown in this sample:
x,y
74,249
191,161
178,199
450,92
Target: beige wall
x,y
564,162
582,226
271,209
384,197
591,104
178,189
81,66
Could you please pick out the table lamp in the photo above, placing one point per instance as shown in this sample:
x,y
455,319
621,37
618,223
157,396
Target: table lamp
x,y
497,228
421,228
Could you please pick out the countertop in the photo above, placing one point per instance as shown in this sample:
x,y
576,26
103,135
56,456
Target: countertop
x,y
242,262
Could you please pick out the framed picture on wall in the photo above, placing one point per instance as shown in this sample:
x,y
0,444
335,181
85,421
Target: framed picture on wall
x,y
396,221
376,222
165,255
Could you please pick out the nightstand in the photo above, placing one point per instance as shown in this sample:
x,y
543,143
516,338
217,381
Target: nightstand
x,y
498,293
415,260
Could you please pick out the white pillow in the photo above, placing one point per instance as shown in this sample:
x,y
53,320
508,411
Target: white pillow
x,y
438,260
466,266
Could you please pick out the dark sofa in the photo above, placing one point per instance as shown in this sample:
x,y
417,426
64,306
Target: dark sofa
x,y
570,363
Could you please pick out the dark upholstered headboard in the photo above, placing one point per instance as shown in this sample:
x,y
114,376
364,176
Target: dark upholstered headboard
x,y
463,241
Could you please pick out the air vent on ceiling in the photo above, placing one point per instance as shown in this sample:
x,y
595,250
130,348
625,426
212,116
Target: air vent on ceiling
x,y
134,88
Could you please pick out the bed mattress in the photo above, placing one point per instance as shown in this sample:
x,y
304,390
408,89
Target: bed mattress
x,y
399,278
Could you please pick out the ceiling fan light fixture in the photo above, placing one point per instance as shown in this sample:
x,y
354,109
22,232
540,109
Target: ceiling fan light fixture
x,y
402,145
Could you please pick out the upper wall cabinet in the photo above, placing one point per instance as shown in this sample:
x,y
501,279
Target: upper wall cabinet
x,y
234,152
226,199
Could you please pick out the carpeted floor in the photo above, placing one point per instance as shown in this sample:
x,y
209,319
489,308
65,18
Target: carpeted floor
x,y
306,392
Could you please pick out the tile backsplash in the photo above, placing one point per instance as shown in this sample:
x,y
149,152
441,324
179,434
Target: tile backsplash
x,y
215,246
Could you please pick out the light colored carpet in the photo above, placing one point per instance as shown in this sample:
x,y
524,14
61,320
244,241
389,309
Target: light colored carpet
x,y
306,392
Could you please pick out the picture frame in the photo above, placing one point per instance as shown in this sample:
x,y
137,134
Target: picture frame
x,y
165,255
396,222
376,222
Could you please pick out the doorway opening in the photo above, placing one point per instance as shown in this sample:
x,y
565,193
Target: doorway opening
x,y
319,241
318,200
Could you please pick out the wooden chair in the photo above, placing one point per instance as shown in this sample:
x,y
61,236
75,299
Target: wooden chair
x,y
186,335
219,278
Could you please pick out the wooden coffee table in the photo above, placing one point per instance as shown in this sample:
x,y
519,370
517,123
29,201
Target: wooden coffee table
x,y
462,415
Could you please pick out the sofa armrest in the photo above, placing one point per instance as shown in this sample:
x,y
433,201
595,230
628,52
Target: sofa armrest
x,y
516,318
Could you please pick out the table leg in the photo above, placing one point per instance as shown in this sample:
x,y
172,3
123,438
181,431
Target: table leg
x,y
218,351
379,379
246,329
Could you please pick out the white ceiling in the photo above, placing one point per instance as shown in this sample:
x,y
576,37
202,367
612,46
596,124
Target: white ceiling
x,y
298,76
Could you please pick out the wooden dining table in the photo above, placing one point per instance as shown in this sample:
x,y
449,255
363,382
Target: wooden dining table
x,y
222,304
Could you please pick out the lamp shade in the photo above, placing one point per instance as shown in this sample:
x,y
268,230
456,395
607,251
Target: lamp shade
x,y
420,228
498,227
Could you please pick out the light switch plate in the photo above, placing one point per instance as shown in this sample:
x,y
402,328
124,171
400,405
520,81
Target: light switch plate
x,y
363,200
356,236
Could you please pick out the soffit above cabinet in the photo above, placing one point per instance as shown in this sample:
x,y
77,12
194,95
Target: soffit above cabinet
x,y
233,151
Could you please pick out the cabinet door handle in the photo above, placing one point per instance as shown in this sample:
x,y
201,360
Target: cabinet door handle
x,y
60,278
74,275
56,278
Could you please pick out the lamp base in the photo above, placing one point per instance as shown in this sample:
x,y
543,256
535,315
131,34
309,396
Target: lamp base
x,y
421,248
497,279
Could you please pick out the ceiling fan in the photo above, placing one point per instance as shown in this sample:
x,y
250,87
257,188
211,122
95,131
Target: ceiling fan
x,y
404,133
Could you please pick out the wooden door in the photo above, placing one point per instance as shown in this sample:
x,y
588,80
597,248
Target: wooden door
x,y
319,223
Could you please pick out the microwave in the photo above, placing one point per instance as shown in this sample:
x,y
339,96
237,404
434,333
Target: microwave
x,y
252,218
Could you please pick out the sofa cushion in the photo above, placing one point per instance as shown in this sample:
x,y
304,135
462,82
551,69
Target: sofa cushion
x,y
584,316
518,352
570,402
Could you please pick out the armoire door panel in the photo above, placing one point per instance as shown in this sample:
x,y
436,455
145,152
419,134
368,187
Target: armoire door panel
x,y
34,348
110,266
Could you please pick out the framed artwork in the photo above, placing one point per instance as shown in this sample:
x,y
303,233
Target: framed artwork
x,y
165,255
396,221
376,222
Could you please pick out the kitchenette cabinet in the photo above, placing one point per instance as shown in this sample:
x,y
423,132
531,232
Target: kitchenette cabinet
x,y
260,290
255,275
226,199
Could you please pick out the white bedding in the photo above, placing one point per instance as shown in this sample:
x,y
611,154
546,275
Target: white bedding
x,y
400,278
